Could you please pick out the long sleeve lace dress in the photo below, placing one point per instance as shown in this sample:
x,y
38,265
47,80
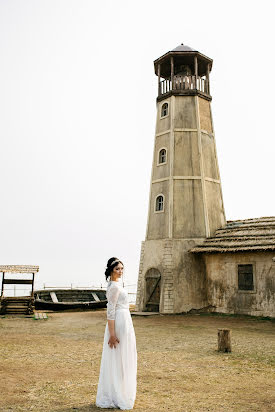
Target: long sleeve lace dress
x,y
118,369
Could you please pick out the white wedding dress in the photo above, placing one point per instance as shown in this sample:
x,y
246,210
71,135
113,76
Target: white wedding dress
x,y
118,369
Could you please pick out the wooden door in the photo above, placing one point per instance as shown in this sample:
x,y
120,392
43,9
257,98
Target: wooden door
x,y
152,279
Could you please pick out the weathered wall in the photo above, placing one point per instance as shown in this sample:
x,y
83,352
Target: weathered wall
x,y
188,219
156,254
163,123
189,280
205,115
183,282
214,204
161,170
209,156
185,112
222,283
186,154
158,222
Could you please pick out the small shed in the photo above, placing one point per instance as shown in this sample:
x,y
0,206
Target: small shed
x,y
240,267
17,304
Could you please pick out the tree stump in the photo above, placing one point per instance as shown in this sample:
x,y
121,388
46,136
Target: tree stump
x,y
224,340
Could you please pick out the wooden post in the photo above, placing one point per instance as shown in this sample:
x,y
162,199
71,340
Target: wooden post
x,y
32,284
172,72
196,70
224,340
2,290
159,89
207,77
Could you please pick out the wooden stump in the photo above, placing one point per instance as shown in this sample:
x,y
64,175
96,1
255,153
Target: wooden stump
x,y
224,340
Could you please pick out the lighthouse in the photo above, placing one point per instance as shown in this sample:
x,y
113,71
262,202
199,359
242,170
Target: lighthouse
x,y
185,201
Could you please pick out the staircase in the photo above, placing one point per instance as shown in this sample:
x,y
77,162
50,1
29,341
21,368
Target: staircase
x,y
20,305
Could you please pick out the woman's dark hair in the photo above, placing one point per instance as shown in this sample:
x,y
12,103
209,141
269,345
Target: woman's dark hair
x,y
111,264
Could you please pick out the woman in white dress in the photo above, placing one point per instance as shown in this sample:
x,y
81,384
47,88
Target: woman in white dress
x,y
118,369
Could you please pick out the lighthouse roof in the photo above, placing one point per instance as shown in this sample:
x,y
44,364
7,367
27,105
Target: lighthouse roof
x,y
182,54
183,48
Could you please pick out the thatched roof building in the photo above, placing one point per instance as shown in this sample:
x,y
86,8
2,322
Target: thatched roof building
x,y
240,267
240,236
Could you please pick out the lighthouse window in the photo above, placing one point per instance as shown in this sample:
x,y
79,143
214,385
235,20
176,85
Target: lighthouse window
x,y
164,110
159,203
245,277
162,156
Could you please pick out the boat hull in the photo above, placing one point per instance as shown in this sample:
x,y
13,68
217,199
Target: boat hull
x,y
43,305
66,299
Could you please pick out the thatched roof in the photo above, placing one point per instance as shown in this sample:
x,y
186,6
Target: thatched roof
x,y
19,268
241,235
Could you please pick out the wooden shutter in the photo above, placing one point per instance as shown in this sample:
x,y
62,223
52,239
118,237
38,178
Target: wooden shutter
x,y
245,277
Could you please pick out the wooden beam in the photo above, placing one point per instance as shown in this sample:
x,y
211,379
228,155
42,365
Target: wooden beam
x,y
207,77
159,89
196,69
188,92
17,282
172,72
154,289
19,268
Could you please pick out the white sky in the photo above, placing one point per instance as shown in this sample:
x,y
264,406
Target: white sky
x,y
77,119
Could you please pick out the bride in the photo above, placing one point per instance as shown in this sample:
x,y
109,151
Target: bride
x,y
118,369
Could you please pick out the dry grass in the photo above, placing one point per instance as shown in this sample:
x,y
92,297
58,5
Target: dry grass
x,y
53,365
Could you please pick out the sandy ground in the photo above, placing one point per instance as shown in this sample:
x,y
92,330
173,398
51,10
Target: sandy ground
x,y
53,365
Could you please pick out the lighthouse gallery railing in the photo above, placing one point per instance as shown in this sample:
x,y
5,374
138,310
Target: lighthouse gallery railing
x,y
184,83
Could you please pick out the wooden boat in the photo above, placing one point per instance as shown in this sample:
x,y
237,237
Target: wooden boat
x,y
64,299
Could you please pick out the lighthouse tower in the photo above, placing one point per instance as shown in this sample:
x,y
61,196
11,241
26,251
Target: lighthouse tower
x,y
185,204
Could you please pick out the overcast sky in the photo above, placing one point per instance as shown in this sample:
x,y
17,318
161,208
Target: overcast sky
x,y
78,109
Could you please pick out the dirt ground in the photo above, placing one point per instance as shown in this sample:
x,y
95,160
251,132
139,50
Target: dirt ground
x,y
53,365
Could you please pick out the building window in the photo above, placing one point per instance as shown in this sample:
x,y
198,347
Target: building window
x,y
162,156
245,277
164,110
159,203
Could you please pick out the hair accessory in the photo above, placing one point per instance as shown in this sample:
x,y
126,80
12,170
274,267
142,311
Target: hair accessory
x,y
115,261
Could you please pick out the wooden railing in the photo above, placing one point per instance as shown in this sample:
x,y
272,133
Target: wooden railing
x,y
184,83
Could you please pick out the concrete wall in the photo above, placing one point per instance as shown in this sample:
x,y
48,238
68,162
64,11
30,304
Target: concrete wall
x,y
186,154
183,281
222,283
209,156
185,112
163,123
159,221
214,205
205,115
162,170
189,279
188,218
